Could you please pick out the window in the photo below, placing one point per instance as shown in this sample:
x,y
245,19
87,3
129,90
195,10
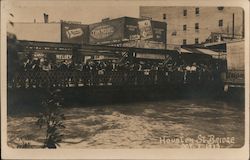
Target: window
x,y
164,16
174,33
220,8
197,11
196,40
220,22
196,26
184,27
184,12
184,42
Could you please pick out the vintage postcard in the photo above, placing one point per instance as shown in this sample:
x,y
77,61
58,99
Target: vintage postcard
x,y
116,79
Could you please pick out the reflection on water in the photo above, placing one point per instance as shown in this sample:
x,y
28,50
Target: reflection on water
x,y
161,124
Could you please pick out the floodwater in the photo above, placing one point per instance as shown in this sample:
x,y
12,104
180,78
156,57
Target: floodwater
x,y
185,123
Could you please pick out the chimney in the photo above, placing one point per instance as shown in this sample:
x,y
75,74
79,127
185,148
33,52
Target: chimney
x,y
105,19
46,18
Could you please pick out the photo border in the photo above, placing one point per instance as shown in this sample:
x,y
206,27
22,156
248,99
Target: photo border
x,y
236,153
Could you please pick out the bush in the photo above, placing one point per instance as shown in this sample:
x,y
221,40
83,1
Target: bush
x,y
52,118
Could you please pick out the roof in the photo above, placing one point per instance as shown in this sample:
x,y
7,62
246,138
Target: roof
x,y
202,51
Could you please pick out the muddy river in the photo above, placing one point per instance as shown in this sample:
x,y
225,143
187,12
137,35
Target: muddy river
x,y
185,123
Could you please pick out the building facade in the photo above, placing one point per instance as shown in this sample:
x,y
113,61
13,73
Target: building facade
x,y
194,25
61,32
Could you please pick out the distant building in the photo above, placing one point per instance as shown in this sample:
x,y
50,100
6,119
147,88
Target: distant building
x,y
194,25
66,32
120,32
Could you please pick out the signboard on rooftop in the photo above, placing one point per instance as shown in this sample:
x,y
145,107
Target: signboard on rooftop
x,y
145,29
74,33
130,30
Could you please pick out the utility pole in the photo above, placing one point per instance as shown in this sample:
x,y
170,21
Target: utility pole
x,y
233,27
243,23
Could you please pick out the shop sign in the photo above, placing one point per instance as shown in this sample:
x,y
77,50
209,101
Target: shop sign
x,y
38,55
63,56
150,56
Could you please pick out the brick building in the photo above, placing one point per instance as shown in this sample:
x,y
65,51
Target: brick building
x,y
194,25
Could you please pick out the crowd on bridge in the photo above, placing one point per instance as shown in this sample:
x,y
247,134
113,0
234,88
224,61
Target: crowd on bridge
x,y
41,73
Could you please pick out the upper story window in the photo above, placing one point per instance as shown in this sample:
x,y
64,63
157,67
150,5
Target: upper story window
x,y
184,12
184,42
196,40
184,27
221,23
197,26
197,11
164,16
220,8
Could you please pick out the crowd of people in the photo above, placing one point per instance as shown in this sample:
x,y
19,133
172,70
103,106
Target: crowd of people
x,y
40,73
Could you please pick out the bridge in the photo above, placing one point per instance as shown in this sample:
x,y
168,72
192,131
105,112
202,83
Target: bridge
x,y
132,67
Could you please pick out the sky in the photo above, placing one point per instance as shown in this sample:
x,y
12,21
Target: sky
x,y
82,11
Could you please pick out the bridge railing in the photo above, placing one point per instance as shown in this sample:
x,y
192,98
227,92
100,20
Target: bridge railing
x,y
41,79
75,78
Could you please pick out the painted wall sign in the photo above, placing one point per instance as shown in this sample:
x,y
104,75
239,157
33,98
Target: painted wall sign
x,y
74,33
145,29
63,56
150,56
102,32
133,31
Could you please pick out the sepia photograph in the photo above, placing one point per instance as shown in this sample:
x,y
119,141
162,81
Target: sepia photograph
x,y
116,75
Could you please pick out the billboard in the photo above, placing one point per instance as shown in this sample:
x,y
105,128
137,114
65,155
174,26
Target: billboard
x,y
145,29
136,29
159,30
110,31
126,29
74,33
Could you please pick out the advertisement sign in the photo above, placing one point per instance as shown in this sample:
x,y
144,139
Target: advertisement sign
x,y
150,56
130,32
63,56
137,29
106,32
145,29
38,55
102,32
159,31
59,58
74,33
144,44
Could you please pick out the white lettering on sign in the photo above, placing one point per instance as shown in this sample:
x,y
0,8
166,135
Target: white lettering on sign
x,y
63,56
150,56
38,55
102,32
134,37
74,33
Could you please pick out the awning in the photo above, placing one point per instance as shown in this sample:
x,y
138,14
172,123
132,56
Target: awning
x,y
204,51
